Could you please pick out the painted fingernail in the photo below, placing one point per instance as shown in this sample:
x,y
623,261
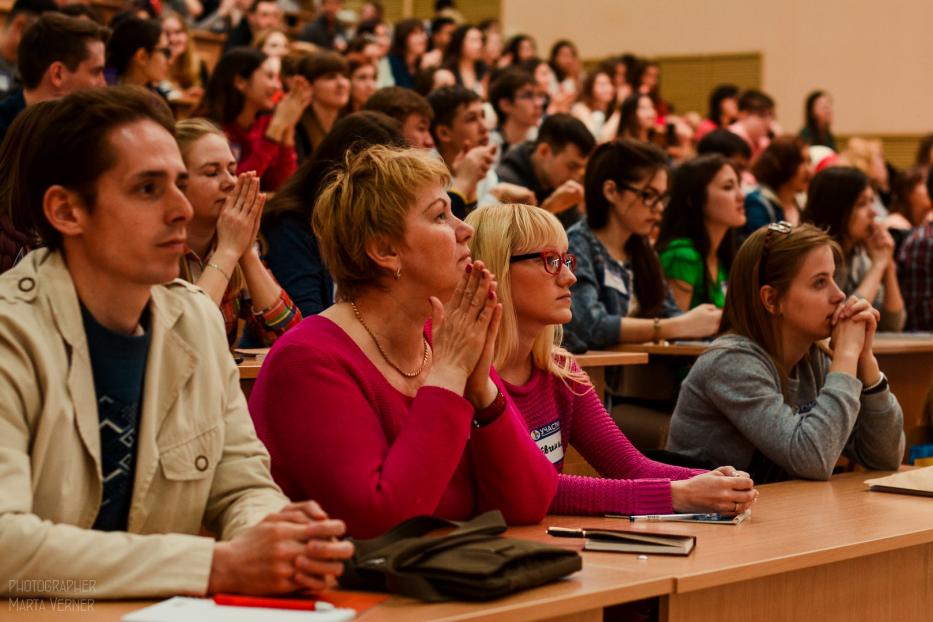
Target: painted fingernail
x,y
492,295
469,268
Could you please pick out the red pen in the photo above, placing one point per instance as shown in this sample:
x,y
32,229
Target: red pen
x,y
304,604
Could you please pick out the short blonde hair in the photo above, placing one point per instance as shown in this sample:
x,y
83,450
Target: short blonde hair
x,y
513,229
190,131
365,198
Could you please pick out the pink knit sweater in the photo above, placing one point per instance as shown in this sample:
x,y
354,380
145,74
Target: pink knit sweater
x,y
340,434
557,418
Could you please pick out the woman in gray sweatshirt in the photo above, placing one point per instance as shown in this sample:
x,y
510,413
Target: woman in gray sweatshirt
x,y
769,396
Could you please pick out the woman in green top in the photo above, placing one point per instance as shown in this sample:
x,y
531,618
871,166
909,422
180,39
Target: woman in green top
x,y
697,239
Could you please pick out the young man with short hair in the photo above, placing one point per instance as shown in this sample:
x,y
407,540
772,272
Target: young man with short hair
x,y
518,105
756,118
462,139
22,14
326,31
241,20
410,109
58,55
552,166
123,429
728,145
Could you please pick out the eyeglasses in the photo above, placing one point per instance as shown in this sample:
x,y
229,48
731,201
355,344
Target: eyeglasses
x,y
553,262
649,197
781,227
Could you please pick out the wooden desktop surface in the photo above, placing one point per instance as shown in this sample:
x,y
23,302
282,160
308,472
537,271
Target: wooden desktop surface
x,y
811,550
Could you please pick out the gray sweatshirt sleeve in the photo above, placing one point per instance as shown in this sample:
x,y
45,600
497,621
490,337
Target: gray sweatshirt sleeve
x,y
877,443
746,389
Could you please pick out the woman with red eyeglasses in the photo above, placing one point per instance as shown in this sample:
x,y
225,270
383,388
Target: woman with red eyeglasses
x,y
527,249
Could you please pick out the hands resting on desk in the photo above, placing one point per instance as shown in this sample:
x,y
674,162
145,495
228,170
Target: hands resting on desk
x,y
294,549
724,490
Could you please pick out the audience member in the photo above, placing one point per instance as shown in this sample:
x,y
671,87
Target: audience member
x,y
362,75
519,48
754,123
910,203
409,43
326,31
518,105
146,361
292,252
620,295
552,166
410,109
241,19
723,110
221,256
840,202
915,268
596,107
766,396
463,56
818,119
239,97
527,250
327,73
698,232
187,70
565,63
273,42
138,53
728,145
21,16
372,447
783,172
58,55
639,118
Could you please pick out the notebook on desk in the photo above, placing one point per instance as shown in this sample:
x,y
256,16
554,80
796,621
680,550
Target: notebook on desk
x,y
913,482
182,609
618,541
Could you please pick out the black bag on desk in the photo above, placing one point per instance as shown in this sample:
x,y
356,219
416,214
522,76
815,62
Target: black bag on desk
x,y
471,563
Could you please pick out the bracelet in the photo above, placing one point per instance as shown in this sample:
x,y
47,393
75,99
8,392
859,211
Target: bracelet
x,y
878,387
218,268
485,416
657,330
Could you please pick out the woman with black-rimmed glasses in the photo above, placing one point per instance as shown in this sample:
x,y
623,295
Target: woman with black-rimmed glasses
x,y
620,295
769,396
138,53
527,249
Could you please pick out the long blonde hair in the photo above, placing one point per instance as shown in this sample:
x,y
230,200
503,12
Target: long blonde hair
x,y
186,70
512,229
187,133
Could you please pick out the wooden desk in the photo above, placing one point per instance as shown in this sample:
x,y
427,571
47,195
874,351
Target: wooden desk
x,y
210,46
811,551
907,361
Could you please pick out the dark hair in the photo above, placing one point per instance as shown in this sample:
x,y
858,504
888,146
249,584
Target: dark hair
x,y
817,134
902,187
70,148
30,7
683,216
561,129
52,38
628,162
222,102
323,63
833,194
445,103
352,133
359,42
629,125
81,10
454,51
923,151
129,36
552,59
778,163
586,90
754,101
512,45
725,143
401,33
505,84
399,103
424,80
439,22
368,27
716,97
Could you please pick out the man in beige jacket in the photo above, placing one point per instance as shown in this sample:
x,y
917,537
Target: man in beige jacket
x,y
105,484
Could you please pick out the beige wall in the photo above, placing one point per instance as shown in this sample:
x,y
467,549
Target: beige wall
x,y
873,56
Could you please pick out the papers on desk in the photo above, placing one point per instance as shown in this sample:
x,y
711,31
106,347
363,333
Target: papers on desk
x,y
180,609
617,541
913,482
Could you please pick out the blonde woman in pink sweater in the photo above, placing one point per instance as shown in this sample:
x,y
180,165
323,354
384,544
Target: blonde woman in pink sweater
x,y
526,248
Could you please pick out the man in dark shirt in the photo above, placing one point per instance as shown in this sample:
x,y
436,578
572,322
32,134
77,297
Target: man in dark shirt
x,y
58,55
326,31
552,166
22,14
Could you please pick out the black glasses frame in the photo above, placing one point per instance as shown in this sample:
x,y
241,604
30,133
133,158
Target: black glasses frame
x,y
649,198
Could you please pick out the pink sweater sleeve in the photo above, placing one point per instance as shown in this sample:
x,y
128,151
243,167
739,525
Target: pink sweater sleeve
x,y
630,483
512,475
314,412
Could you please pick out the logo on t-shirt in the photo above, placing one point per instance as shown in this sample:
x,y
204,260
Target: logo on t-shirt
x,y
547,437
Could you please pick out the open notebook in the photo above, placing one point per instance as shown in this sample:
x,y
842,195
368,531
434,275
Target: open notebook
x,y
913,482
618,541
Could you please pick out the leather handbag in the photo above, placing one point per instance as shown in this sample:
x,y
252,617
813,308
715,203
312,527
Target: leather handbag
x,y
473,562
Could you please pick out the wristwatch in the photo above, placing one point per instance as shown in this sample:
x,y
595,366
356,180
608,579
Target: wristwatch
x,y
878,387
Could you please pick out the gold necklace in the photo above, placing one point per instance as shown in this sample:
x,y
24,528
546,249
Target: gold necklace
x,y
407,374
